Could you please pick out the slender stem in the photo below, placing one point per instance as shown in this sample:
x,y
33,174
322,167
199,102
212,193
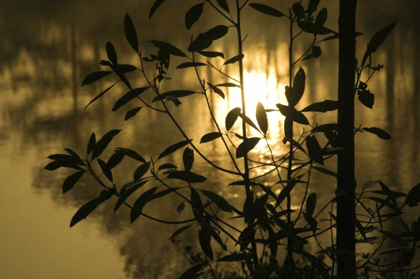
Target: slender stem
x,y
220,12
179,127
249,194
213,117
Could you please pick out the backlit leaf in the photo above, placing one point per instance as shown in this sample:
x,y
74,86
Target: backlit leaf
x,y
169,48
246,146
223,4
377,40
261,115
314,150
174,94
126,191
89,207
231,117
204,238
100,95
192,272
266,10
171,149
210,136
216,90
234,59
321,18
141,170
105,170
379,132
311,203
140,203
91,144
71,181
155,6
325,171
91,78
128,97
112,54
193,15
130,33
131,153
327,105
102,144
179,231
218,200
190,65
188,158
132,113
212,54
187,176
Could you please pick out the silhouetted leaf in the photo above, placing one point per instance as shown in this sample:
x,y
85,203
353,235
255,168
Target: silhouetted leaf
x,y
91,78
210,136
325,171
155,6
179,231
298,10
217,32
105,170
63,159
212,54
71,181
171,149
314,150
413,197
100,95
232,258
125,68
191,272
377,40
379,132
394,250
200,43
223,4
384,203
193,15
216,90
249,122
141,170
131,153
321,18
102,144
316,52
169,48
312,28
288,126
115,159
75,156
312,6
167,166
262,118
293,114
174,94
228,84
286,191
128,97
295,94
190,65
130,33
266,9
311,203
132,113
91,144
231,117
311,221
366,98
196,205
188,158
218,200
112,54
126,191
246,146
180,207
164,193
234,59
89,207
204,238
327,105
140,203
218,239
187,176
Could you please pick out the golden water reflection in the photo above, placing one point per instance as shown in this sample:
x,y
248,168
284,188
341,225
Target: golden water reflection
x,y
46,55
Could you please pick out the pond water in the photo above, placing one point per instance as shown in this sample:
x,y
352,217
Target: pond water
x,y
48,47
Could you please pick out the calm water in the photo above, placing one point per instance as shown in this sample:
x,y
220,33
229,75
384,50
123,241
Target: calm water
x,y
46,49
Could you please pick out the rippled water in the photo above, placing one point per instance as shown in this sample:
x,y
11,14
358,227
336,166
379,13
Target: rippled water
x,y
46,49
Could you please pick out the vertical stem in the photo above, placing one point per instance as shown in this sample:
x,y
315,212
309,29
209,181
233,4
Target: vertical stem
x,y
249,195
346,182
289,167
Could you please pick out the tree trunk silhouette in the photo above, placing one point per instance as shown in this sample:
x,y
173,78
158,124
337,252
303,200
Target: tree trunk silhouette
x,y
346,182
